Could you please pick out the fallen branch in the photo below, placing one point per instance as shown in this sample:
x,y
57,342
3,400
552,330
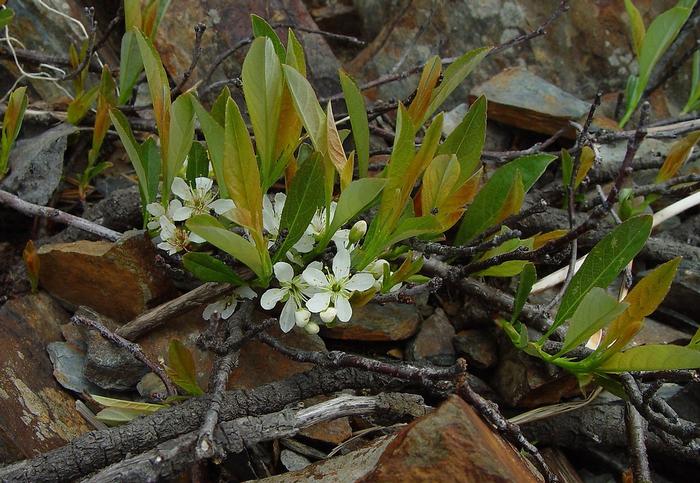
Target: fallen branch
x,y
637,444
407,295
169,459
30,209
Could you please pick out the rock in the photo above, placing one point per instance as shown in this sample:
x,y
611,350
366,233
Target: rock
x,y
350,467
434,341
121,209
519,98
36,165
111,367
375,322
654,332
478,347
293,461
524,381
69,368
228,23
259,364
37,415
119,280
332,432
586,49
151,386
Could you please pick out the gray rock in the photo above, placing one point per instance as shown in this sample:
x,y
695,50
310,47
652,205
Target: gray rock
x,y
111,367
121,209
36,165
434,341
68,368
478,347
293,461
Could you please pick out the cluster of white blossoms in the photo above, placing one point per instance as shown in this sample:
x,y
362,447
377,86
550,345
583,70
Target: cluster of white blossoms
x,y
314,289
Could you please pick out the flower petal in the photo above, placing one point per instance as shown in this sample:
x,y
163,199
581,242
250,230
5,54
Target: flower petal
x,y
181,189
305,244
222,206
314,277
360,282
230,309
283,271
155,209
209,311
194,238
203,184
342,305
318,302
245,292
341,264
287,318
167,228
182,213
270,298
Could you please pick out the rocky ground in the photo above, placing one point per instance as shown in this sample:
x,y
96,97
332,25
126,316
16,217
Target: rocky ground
x,y
49,365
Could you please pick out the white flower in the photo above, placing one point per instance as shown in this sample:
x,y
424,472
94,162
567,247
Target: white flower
x,y
336,287
156,210
198,200
318,223
272,216
293,291
376,268
174,238
227,305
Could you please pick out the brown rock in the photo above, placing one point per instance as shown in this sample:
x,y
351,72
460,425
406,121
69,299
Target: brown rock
x,y
333,432
434,341
119,280
37,415
519,98
450,444
228,23
375,322
478,347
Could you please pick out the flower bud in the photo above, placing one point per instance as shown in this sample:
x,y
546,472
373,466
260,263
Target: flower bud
x,y
357,231
328,315
301,317
376,268
312,328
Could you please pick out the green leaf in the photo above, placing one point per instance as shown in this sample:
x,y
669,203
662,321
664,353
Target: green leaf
x,y
181,134
158,87
218,109
132,148
659,37
653,357
150,159
197,163
303,199
527,279
6,16
604,263
262,89
509,268
355,103
416,226
484,210
467,140
130,66
694,96
637,28
567,167
307,106
210,269
235,245
125,404
119,416
695,341
359,194
595,311
214,134
79,106
453,77
262,29
181,368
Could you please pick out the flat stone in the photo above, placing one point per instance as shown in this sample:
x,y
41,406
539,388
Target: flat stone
x,y
293,461
375,322
110,367
477,346
434,341
37,415
119,280
36,165
519,98
452,443
69,368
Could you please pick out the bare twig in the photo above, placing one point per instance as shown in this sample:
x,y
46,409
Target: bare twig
x,y
92,32
535,208
434,248
110,28
199,30
338,359
490,412
30,209
407,295
133,348
637,445
331,35
225,55
504,156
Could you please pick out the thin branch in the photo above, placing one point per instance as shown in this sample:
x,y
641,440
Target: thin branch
x,y
234,81
199,30
110,28
225,55
539,207
407,295
92,33
339,359
134,349
434,248
637,444
490,412
30,209
504,156
331,35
